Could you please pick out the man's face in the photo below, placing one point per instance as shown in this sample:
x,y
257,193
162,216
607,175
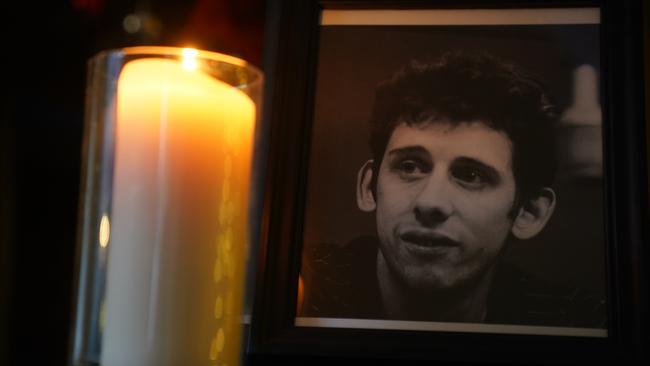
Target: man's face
x,y
444,194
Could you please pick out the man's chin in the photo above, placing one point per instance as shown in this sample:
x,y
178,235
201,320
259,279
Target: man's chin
x,y
443,282
428,282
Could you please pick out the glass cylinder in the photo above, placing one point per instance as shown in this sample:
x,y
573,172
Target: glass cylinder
x,y
165,221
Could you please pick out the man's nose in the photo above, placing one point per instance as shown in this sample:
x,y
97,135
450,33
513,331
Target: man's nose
x,y
433,203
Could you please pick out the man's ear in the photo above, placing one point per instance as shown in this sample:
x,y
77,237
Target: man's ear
x,y
365,198
534,214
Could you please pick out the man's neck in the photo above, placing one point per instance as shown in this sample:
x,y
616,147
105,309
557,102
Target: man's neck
x,y
400,302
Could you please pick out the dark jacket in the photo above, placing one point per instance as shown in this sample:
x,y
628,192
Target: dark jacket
x,y
341,282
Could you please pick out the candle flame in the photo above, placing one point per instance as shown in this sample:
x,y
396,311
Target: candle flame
x,y
104,231
189,59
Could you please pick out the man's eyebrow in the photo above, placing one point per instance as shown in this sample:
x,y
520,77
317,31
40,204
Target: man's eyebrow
x,y
408,150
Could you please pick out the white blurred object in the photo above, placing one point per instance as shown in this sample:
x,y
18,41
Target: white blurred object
x,y
581,127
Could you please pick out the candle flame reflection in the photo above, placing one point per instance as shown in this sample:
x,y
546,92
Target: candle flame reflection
x,y
104,231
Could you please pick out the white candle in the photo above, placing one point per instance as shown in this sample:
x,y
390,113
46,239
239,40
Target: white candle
x,y
183,145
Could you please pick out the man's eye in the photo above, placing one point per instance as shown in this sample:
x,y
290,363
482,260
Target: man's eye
x,y
410,169
471,178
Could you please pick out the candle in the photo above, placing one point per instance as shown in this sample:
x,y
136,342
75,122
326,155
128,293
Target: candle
x,y
183,145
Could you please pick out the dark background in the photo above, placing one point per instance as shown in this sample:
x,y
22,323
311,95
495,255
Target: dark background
x,y
352,60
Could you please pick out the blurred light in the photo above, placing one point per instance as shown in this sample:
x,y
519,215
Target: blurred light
x,y
189,59
92,7
104,231
585,109
218,308
221,339
151,24
301,293
213,349
132,23
581,131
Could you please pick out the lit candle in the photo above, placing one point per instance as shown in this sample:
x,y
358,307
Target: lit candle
x,y
183,145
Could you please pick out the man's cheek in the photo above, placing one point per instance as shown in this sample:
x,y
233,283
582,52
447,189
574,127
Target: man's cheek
x,y
391,207
485,207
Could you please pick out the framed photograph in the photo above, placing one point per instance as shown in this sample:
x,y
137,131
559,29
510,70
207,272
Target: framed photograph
x,y
443,174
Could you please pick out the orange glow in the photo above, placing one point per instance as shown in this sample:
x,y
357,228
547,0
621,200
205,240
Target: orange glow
x,y
301,294
189,59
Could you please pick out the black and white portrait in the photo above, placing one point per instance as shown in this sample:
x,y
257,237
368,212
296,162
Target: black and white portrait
x,y
455,174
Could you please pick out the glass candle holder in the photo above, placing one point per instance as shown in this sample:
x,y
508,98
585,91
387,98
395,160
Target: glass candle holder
x,y
165,224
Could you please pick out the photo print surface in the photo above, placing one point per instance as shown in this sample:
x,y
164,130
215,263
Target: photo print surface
x,y
455,174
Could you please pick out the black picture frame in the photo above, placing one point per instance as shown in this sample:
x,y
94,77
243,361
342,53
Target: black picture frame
x,y
292,47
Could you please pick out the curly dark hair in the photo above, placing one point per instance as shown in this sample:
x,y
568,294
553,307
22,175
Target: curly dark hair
x,y
462,87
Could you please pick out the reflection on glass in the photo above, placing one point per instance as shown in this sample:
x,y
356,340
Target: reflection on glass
x,y
104,231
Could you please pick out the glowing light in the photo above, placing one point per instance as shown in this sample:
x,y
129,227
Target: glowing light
x,y
132,23
216,346
189,59
218,308
301,293
213,349
227,239
218,271
221,340
104,231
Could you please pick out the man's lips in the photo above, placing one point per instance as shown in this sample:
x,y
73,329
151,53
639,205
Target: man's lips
x,y
428,239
